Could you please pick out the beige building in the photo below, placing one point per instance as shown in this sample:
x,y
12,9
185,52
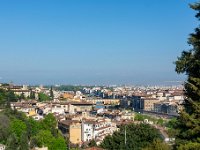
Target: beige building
x,y
67,95
80,106
70,107
148,103
105,101
71,129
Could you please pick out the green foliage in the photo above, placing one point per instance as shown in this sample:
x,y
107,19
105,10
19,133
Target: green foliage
x,y
32,95
142,117
6,97
22,96
49,122
138,136
160,121
59,144
17,131
158,145
139,117
4,84
45,138
3,97
92,143
51,93
47,134
17,127
4,126
11,96
172,132
12,142
190,146
33,127
69,88
188,124
23,144
43,97
171,123
170,127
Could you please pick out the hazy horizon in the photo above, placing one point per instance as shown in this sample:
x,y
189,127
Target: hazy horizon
x,y
93,42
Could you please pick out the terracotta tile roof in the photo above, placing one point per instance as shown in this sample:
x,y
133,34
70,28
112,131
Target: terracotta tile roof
x,y
68,122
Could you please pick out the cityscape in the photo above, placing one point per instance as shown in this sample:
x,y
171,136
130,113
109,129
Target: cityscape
x,y
100,75
91,113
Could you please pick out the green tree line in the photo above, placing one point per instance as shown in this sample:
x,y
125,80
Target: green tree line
x,y
22,133
7,96
133,137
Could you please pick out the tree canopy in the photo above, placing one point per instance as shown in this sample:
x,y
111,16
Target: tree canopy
x,y
7,96
17,127
188,124
43,97
138,136
69,88
17,131
158,145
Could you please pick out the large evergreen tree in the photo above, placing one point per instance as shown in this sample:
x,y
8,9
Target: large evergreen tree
x,y
188,124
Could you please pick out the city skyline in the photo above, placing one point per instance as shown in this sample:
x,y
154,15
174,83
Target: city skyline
x,y
93,42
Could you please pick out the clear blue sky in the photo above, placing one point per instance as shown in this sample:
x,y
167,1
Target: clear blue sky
x,y
93,41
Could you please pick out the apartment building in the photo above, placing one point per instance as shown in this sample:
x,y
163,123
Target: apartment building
x,y
82,130
71,129
70,107
103,128
88,130
148,103
166,107
104,101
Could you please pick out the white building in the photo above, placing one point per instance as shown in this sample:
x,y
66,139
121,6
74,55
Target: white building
x,y
97,129
87,130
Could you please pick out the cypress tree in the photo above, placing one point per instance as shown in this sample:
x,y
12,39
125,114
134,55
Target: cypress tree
x,y
51,93
32,95
188,123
